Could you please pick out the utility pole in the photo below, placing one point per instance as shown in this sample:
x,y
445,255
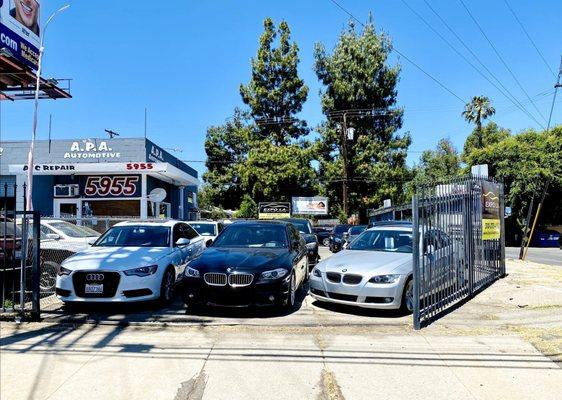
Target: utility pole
x,y
345,166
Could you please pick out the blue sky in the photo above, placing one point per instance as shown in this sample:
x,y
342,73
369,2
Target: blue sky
x,y
185,60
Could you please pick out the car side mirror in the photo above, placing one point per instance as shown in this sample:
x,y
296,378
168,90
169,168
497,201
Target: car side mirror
x,y
92,241
53,236
182,242
209,242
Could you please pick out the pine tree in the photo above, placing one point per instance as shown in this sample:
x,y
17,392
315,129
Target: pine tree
x,y
356,75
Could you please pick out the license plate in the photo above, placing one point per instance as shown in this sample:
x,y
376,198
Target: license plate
x,y
94,288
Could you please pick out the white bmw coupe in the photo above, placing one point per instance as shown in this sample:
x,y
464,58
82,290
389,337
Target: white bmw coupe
x,y
132,261
375,270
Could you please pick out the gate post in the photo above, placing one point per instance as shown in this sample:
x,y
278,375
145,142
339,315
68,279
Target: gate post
x,y
416,261
36,268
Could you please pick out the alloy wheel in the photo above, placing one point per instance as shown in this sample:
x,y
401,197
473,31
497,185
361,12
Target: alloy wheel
x,y
326,242
167,285
410,295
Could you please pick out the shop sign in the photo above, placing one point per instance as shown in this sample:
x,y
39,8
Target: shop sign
x,y
106,186
310,205
491,227
88,149
274,210
156,153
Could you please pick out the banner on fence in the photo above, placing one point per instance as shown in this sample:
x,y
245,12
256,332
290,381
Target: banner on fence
x,y
491,227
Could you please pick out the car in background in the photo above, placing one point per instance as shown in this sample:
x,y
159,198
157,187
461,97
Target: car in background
x,y
322,234
260,263
58,240
546,238
336,237
352,233
209,229
10,242
305,228
132,261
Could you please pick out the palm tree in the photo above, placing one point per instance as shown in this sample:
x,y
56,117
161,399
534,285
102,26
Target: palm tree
x,y
476,111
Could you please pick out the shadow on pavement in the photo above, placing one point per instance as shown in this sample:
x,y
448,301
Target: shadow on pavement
x,y
358,311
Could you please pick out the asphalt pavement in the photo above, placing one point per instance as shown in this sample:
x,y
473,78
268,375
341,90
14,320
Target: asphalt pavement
x,y
540,255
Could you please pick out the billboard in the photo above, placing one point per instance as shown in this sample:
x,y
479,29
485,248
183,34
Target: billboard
x,y
274,210
19,29
310,205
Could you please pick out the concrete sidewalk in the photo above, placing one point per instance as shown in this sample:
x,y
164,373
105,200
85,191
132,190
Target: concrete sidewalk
x,y
112,362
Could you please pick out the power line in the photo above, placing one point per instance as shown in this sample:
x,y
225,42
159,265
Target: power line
x,y
529,37
403,56
501,58
513,99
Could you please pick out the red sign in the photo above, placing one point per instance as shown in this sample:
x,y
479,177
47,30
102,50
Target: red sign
x,y
112,186
139,166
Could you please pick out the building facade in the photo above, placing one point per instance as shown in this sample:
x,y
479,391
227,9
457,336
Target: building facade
x,y
99,177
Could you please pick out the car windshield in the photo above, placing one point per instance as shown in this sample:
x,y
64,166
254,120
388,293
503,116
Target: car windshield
x,y
74,231
356,230
204,229
252,236
302,225
135,236
384,240
341,229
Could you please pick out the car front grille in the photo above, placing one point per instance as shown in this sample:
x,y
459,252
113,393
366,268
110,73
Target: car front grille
x,y
333,277
110,281
352,279
215,279
240,279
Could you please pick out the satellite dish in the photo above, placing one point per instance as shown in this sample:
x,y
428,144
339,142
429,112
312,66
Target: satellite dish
x,y
156,195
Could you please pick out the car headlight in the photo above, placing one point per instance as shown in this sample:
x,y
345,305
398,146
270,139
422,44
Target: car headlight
x,y
317,273
274,274
63,271
384,278
191,273
142,271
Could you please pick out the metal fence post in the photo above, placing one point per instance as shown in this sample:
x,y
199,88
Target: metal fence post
x,y
24,249
36,268
416,263
502,232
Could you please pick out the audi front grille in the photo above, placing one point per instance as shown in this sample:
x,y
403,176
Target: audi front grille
x,y
215,279
237,280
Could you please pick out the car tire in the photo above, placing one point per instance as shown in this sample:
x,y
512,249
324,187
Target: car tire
x,y
326,242
167,286
407,303
289,302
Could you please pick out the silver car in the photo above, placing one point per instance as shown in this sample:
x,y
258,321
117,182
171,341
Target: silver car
x,y
375,271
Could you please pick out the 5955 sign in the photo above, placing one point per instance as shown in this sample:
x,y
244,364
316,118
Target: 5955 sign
x,y
112,186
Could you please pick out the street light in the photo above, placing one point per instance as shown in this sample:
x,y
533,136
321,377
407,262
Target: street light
x,y
28,199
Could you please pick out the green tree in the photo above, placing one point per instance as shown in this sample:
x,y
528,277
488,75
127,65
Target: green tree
x,y
276,93
356,75
524,162
226,147
438,164
248,208
476,112
489,135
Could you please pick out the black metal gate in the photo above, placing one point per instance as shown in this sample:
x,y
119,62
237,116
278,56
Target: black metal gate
x,y
19,259
459,229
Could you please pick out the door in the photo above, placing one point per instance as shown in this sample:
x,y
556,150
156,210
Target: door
x,y
67,208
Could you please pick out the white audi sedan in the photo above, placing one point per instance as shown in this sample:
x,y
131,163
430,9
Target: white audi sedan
x,y
375,271
132,261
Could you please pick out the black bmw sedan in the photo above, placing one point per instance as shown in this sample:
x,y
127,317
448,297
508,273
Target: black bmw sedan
x,y
249,263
